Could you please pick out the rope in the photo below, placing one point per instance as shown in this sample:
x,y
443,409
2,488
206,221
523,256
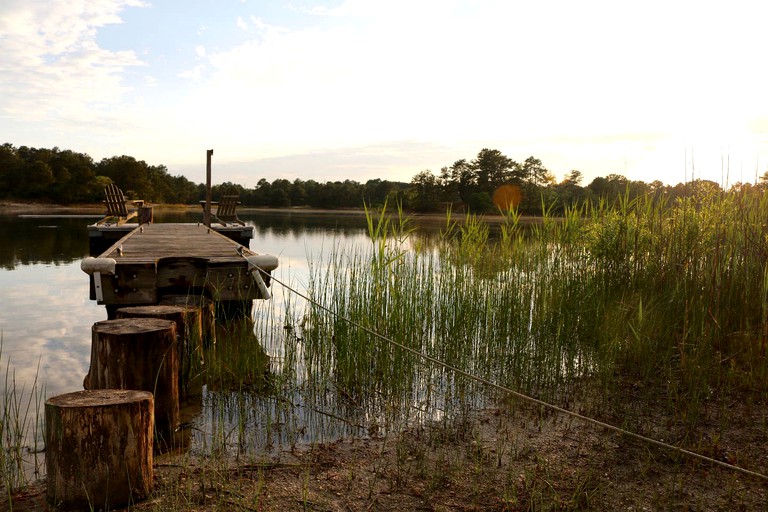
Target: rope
x,y
522,396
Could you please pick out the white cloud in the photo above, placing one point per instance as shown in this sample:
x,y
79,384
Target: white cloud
x,y
502,72
595,85
194,74
51,62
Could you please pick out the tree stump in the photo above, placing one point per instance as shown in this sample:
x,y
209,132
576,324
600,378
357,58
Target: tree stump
x,y
141,354
189,331
98,448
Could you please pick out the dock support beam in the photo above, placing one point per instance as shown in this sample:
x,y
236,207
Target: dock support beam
x,y
207,214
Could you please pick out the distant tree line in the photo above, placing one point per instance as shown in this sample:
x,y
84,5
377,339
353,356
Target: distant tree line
x,y
67,177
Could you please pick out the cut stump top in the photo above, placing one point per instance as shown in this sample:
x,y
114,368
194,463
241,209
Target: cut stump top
x,y
132,325
99,398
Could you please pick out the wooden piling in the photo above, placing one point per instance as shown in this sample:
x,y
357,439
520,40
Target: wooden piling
x,y
140,354
146,214
98,449
207,309
189,331
207,212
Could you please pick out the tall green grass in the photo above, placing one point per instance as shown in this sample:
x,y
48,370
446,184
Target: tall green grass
x,y
21,432
671,295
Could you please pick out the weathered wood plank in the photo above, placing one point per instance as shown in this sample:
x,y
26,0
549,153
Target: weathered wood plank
x,y
154,241
159,259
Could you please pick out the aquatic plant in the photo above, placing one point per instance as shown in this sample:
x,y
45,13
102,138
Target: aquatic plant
x,y
21,432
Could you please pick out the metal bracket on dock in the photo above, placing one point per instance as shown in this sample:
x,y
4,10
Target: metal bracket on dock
x,y
256,264
95,267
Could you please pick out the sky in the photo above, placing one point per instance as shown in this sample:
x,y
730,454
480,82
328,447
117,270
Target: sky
x,y
363,89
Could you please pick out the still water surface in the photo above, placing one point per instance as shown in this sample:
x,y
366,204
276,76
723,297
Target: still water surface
x,y
46,318
46,315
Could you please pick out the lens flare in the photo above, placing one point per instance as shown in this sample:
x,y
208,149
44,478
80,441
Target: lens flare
x,y
507,197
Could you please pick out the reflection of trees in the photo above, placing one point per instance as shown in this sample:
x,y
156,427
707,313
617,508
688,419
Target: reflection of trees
x,y
27,241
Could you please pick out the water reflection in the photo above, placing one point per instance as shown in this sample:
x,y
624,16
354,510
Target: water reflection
x,y
46,321
48,240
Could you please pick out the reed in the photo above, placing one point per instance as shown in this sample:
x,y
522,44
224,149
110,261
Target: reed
x,y
674,295
579,310
21,432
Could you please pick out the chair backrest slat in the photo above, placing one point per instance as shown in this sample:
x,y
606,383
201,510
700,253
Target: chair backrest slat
x,y
227,207
115,201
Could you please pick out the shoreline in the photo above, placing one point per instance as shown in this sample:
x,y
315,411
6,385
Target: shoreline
x,y
28,208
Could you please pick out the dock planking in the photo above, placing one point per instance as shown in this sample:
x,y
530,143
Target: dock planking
x,y
151,242
155,260
101,237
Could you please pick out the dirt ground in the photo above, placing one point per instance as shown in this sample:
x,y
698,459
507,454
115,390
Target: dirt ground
x,y
512,458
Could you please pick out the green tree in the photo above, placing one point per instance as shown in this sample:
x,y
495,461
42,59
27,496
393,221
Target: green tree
x,y
492,169
569,192
481,202
425,192
280,194
298,194
182,191
464,178
377,191
39,178
11,171
74,177
449,189
534,172
131,175
262,193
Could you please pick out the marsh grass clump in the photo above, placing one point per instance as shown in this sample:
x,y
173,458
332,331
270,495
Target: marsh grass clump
x,y
21,433
670,295
684,292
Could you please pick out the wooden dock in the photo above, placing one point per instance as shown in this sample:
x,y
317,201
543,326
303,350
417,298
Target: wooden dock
x,y
102,236
154,260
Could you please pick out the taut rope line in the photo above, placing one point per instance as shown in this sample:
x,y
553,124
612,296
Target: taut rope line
x,y
522,396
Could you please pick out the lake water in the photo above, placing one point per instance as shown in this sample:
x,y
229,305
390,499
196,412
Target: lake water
x,y
46,316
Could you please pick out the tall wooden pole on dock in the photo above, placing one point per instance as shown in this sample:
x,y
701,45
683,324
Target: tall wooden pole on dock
x,y
207,214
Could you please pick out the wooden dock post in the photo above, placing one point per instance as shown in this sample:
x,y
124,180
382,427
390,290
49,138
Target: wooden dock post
x,y
207,214
146,214
98,449
207,310
141,354
189,331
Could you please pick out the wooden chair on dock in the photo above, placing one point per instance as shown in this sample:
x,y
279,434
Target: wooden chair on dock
x,y
226,210
117,210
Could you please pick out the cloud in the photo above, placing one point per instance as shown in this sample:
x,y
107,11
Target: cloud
x,y
584,82
51,63
194,74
